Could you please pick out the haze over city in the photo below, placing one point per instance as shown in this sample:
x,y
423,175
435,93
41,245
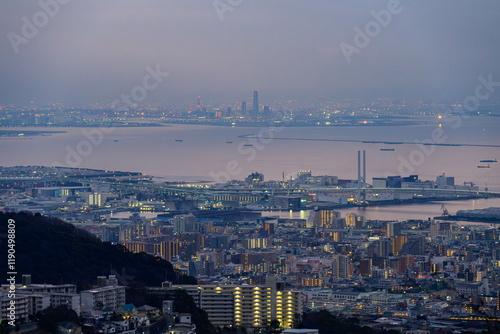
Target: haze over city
x,y
92,51
250,167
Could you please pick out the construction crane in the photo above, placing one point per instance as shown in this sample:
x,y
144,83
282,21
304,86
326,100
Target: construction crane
x,y
445,211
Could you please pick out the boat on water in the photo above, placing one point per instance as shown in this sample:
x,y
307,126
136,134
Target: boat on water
x,y
387,149
229,142
248,145
179,140
489,160
484,166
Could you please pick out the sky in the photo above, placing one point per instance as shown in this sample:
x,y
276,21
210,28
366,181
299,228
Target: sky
x,y
93,51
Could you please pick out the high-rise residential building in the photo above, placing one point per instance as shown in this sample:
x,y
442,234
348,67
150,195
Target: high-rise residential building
x,y
322,218
365,267
355,221
405,262
341,266
184,223
168,249
268,228
255,109
397,243
110,233
393,229
414,246
247,305
383,247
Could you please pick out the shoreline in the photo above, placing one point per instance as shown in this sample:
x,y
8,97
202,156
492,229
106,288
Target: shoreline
x,y
25,134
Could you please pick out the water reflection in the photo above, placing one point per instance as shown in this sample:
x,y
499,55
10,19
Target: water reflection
x,y
419,211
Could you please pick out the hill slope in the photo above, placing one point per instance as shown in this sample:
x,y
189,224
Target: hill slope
x,y
53,251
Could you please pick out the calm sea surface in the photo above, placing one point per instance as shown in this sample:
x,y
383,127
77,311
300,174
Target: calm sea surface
x,y
394,212
401,212
193,152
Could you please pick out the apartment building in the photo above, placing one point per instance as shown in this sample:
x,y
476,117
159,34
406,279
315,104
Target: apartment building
x,y
104,297
247,305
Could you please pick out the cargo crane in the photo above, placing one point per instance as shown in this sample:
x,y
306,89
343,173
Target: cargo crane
x,y
445,211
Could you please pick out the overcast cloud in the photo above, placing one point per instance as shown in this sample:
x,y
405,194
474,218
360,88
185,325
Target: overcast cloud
x,y
94,50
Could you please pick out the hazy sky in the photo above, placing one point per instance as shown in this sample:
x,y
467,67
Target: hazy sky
x,y
94,50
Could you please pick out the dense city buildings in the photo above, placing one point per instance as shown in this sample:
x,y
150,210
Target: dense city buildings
x,y
254,266
322,112
250,167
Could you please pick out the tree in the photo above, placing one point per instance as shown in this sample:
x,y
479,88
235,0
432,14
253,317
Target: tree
x,y
55,251
184,303
52,315
274,326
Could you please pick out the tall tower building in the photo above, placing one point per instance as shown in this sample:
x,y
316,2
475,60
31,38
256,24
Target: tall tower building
x,y
361,178
365,267
393,229
184,223
322,218
243,108
255,103
267,111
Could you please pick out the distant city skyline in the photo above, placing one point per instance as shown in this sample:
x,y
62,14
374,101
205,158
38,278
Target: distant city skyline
x,y
241,104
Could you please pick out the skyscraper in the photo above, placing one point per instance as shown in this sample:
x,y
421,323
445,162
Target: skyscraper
x,y
365,267
243,108
267,111
393,229
255,103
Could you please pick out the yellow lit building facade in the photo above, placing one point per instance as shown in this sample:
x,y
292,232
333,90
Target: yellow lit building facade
x,y
248,305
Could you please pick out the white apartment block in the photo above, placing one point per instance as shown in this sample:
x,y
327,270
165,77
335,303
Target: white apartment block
x,y
100,298
37,302
40,301
14,309
71,300
42,288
